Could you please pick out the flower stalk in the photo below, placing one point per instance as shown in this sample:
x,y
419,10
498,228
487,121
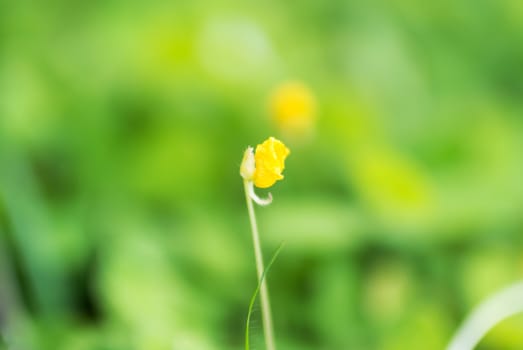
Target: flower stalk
x,y
262,169
264,293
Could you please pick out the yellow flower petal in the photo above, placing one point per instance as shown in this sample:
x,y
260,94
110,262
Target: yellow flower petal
x,y
270,162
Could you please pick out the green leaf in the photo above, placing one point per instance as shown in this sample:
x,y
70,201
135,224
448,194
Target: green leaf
x,y
255,294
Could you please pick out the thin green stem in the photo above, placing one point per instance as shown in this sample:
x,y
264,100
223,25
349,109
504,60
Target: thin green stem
x,y
264,294
255,294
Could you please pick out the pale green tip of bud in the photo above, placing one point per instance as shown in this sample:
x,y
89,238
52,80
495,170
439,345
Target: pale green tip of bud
x,y
248,167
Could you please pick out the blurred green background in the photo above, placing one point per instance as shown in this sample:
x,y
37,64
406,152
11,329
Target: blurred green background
x,y
122,126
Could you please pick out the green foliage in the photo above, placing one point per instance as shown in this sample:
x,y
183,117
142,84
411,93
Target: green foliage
x,y
122,127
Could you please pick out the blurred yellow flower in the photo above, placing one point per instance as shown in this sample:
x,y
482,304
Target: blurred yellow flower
x,y
269,159
293,108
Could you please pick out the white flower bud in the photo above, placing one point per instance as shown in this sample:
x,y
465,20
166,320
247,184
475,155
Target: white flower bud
x,y
248,167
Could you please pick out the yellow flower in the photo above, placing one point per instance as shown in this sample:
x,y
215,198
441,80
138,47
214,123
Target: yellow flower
x,y
293,108
269,160
264,167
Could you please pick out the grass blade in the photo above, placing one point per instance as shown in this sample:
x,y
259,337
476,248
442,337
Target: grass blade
x,y
255,294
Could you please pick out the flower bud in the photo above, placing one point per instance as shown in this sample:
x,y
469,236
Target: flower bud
x,y
248,167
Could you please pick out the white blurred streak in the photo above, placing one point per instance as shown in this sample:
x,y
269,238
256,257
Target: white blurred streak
x,y
490,312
